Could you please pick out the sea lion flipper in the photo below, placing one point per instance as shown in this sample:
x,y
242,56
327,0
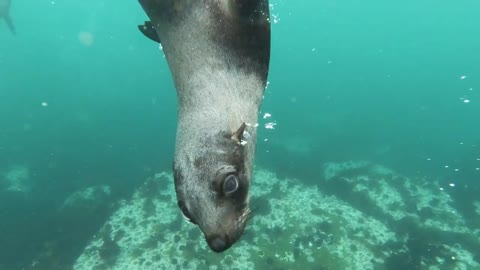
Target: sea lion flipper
x,y
149,31
10,24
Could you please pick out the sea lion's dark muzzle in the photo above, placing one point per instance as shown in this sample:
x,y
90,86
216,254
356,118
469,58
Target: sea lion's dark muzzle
x,y
218,243
224,237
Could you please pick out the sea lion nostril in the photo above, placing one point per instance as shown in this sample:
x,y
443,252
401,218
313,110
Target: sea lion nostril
x,y
217,243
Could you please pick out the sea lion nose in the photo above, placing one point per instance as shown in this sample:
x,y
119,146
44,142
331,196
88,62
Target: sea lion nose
x,y
218,243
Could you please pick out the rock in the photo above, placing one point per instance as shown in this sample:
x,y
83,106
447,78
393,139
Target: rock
x,y
360,216
17,179
87,199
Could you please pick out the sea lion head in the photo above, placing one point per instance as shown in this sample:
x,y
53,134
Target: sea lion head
x,y
212,187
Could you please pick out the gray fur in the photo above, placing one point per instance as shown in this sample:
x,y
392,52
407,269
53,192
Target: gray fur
x,y
5,14
218,52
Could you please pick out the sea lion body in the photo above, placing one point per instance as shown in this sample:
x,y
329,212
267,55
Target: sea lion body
x,y
218,52
5,14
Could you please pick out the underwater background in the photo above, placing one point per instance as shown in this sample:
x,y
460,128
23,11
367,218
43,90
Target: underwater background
x,y
368,153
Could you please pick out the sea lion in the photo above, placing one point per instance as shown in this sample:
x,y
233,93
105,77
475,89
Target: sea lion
x,y
218,52
5,14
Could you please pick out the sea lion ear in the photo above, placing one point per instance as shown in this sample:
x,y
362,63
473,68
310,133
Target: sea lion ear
x,y
238,135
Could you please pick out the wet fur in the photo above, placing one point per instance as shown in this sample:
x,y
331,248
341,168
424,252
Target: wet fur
x,y
218,52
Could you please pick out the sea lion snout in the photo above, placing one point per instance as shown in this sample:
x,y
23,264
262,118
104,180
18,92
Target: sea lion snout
x,y
222,237
221,226
213,195
228,229
218,243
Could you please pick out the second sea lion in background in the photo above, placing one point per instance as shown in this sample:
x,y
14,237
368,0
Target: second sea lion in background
x,y
5,14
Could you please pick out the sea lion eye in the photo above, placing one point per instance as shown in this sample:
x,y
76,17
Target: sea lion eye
x,y
185,212
230,184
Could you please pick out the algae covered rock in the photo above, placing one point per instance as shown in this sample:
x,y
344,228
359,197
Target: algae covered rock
x,y
362,216
16,179
88,199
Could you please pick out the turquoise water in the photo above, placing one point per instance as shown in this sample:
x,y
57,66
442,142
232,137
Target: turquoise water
x,y
86,100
